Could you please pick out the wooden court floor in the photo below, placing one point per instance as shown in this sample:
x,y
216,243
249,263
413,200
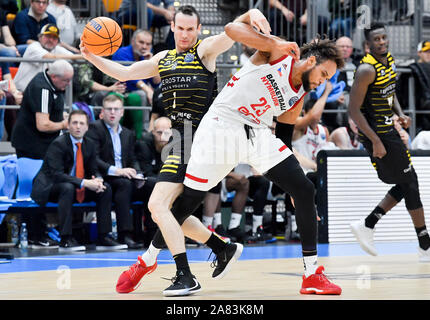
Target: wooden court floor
x,y
387,277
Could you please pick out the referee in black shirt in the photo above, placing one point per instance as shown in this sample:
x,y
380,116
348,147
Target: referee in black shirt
x,y
40,120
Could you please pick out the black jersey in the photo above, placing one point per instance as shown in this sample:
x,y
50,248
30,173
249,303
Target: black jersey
x,y
378,104
188,88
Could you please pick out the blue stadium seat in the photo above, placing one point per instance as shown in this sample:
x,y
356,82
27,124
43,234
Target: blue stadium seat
x,y
27,170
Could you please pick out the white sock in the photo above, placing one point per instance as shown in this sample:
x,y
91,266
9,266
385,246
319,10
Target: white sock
x,y
256,222
235,220
217,219
310,263
207,221
150,256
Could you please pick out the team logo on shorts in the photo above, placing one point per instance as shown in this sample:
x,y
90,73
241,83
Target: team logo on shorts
x,y
189,57
293,100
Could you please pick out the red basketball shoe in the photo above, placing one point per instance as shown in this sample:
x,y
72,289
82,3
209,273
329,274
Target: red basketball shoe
x,y
129,280
319,284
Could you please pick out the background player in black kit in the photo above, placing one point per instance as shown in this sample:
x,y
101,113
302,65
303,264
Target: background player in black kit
x,y
373,103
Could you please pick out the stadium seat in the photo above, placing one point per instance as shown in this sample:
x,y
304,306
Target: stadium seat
x,y
27,169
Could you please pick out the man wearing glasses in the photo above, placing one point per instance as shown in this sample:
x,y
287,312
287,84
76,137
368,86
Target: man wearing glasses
x,y
117,163
28,22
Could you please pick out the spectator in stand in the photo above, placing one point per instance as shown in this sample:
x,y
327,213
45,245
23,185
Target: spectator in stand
x,y
421,141
346,138
345,46
149,155
343,17
46,48
335,101
158,16
149,149
69,174
421,72
28,23
139,49
40,120
89,87
115,147
7,46
309,135
66,23
157,110
289,18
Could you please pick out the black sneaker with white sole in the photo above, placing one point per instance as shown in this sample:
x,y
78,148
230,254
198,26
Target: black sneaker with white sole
x,y
183,284
43,243
224,260
109,243
69,244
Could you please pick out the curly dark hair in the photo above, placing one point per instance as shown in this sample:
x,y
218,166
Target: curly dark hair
x,y
323,49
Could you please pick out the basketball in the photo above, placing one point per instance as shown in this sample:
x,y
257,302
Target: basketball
x,y
102,36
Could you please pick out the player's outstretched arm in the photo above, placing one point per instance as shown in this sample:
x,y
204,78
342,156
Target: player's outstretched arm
x,y
246,34
213,46
139,70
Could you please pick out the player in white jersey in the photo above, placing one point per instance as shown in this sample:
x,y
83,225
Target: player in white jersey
x,y
237,129
311,141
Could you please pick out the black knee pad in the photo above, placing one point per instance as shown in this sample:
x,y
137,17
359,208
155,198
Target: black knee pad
x,y
396,192
187,203
412,194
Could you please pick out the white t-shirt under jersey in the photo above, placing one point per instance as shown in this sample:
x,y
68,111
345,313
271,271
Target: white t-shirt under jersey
x,y
256,94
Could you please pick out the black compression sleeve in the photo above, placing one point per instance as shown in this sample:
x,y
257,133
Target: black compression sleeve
x,y
284,131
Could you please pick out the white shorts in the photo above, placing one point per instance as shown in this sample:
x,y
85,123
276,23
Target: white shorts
x,y
219,145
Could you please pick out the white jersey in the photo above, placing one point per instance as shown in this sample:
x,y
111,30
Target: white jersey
x,y
256,94
311,142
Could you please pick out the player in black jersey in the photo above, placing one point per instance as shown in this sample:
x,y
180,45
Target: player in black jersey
x,y
372,105
188,82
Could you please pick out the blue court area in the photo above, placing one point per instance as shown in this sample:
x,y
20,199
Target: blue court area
x,y
34,260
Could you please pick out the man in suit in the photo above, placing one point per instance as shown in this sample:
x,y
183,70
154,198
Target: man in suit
x,y
69,173
117,163
148,150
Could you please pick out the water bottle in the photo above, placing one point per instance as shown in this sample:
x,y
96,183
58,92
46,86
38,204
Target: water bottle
x,y
23,237
114,227
14,232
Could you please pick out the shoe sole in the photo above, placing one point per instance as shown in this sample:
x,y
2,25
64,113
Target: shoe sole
x,y
120,247
319,291
183,292
37,247
364,246
72,249
235,257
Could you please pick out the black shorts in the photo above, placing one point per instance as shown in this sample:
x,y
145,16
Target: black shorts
x,y
173,170
216,189
396,166
175,165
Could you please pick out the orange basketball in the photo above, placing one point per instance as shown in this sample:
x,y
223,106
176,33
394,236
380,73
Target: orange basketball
x,y
102,36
